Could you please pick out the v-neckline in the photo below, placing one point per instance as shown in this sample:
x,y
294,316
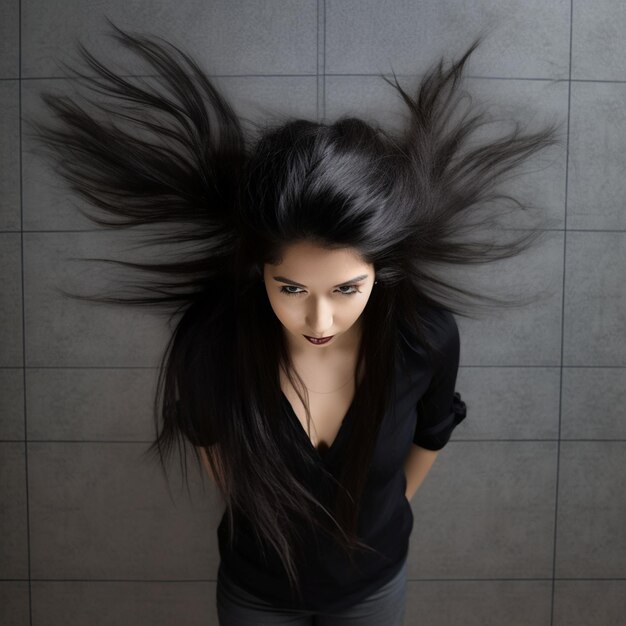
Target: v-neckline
x,y
300,427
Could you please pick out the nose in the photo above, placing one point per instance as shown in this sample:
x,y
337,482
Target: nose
x,y
320,317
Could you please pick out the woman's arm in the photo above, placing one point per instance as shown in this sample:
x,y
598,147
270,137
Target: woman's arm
x,y
205,462
417,465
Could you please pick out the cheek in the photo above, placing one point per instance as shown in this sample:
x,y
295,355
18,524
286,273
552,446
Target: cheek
x,y
360,308
282,310
348,313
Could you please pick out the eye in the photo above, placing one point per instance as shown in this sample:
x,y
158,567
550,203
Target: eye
x,y
349,293
285,290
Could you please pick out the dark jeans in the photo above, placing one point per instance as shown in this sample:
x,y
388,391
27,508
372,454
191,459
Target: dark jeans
x,y
386,606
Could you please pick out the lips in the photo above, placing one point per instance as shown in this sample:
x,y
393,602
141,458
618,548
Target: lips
x,y
319,341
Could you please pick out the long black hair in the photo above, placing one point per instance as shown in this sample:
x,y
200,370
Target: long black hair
x,y
227,202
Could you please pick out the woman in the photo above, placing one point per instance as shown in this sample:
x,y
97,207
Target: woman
x,y
313,366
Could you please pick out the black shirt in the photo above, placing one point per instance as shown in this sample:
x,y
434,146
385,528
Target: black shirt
x,y
427,411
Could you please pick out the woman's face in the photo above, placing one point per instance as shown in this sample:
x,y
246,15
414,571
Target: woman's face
x,y
318,293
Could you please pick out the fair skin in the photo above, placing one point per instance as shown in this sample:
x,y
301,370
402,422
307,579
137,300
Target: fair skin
x,y
313,292
416,466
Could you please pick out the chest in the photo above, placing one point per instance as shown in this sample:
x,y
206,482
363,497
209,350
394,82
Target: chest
x,y
327,414
331,390
333,421
334,418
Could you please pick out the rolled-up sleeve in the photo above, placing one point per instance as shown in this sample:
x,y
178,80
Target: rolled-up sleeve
x,y
440,410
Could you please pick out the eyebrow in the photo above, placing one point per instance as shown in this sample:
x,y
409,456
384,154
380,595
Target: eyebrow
x,y
282,279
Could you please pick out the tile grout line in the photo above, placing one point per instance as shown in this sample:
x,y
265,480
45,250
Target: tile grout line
x,y
26,476
558,442
324,61
458,440
214,580
317,60
462,366
338,74
97,230
321,60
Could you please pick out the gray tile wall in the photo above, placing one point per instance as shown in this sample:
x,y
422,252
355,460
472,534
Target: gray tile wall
x,y
522,520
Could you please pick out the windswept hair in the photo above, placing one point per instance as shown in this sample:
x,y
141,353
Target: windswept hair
x,y
226,203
